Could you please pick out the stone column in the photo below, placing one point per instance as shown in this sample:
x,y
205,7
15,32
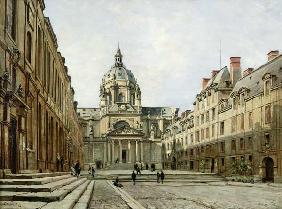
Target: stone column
x,y
129,152
141,146
136,154
105,155
109,152
120,151
113,151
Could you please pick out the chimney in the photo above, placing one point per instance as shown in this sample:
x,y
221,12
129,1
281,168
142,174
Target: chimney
x,y
214,72
248,71
272,54
235,69
205,82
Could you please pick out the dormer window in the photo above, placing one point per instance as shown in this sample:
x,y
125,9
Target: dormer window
x,y
267,87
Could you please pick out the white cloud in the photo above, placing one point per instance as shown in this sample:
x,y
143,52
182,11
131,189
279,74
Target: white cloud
x,y
168,46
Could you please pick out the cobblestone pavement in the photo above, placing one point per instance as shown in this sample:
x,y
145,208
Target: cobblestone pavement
x,y
202,196
105,197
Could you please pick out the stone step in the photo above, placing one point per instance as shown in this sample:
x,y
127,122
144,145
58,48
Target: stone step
x,y
55,195
34,181
69,201
34,175
21,205
85,199
49,187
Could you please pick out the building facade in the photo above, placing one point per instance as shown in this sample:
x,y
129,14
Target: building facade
x,y
236,120
38,115
121,130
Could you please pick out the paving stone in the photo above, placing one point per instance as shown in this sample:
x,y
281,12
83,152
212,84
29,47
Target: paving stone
x,y
105,197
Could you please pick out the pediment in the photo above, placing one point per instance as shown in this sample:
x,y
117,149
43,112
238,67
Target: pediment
x,y
126,131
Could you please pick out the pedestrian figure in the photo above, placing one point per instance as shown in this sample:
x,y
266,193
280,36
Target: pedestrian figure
x,y
117,184
117,160
135,166
158,177
89,170
133,176
147,166
77,168
162,177
93,171
138,170
141,167
62,164
58,161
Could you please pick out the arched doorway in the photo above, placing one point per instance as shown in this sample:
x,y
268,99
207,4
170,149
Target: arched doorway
x,y
269,169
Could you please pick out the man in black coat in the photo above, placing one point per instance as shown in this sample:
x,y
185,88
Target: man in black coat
x,y
162,177
133,176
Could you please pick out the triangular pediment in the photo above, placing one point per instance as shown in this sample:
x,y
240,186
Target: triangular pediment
x,y
126,131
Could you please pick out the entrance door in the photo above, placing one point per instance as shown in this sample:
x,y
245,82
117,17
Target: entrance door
x,y
13,145
269,170
123,156
212,166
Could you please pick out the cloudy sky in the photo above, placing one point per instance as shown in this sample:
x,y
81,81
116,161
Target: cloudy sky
x,y
169,45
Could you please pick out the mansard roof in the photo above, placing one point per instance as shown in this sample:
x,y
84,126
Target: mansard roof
x,y
254,81
219,79
160,111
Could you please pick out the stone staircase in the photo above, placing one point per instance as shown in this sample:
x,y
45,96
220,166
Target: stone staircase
x,y
148,176
45,190
120,166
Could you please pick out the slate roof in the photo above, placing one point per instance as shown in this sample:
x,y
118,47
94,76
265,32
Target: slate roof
x,y
160,111
254,82
89,113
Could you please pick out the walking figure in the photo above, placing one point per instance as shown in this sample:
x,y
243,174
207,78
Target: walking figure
x,y
147,166
93,171
62,163
58,160
138,171
133,176
77,169
162,177
158,177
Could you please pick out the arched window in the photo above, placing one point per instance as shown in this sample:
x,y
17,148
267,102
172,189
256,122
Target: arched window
x,y
120,97
28,46
110,98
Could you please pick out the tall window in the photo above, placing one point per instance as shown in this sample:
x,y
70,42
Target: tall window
x,y
202,134
250,120
242,144
267,87
39,53
233,124
222,128
11,18
28,46
207,116
222,146
268,114
242,122
212,130
120,97
207,133
233,145
213,113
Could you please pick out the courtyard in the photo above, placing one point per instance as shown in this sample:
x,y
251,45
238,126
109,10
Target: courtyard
x,y
186,193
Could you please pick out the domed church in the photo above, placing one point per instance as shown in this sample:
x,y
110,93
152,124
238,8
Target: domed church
x,y
121,131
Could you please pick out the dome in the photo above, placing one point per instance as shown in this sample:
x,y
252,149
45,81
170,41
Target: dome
x,y
118,71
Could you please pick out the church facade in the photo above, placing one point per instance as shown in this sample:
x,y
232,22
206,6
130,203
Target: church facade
x,y
121,130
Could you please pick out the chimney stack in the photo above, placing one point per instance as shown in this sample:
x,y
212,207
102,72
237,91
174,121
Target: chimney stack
x,y
248,71
272,54
214,72
205,82
235,69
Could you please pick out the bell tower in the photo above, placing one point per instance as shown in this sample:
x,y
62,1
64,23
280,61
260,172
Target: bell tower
x,y
118,58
